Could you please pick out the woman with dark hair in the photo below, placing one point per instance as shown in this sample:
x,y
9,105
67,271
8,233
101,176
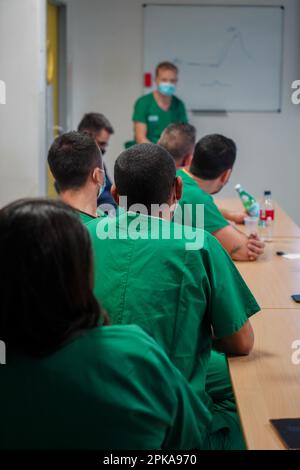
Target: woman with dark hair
x,y
70,382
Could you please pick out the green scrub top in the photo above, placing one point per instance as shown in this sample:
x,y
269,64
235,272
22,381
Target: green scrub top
x,y
147,111
110,388
176,294
192,194
85,218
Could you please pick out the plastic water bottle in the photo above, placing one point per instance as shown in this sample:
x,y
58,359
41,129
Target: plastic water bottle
x,y
249,202
268,205
266,217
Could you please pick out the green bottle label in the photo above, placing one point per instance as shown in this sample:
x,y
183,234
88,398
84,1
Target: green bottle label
x,y
249,202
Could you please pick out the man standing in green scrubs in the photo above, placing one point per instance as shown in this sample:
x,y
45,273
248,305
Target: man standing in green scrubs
x,y
187,298
76,164
155,111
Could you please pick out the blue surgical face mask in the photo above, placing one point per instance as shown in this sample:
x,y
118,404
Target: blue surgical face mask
x,y
102,187
167,88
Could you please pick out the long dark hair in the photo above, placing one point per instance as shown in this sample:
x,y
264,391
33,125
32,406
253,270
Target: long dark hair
x,y
46,276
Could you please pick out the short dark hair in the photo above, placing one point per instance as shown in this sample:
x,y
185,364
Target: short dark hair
x,y
213,155
145,173
72,157
94,123
46,276
165,66
179,140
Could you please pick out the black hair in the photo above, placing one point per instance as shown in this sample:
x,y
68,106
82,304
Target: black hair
x,y
46,276
179,140
94,123
145,173
72,157
213,155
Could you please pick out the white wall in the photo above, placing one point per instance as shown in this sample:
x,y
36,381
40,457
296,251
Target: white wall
x,y
22,118
105,74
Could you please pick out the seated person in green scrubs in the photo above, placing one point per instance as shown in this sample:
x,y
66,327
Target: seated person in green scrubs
x,y
76,164
155,111
69,381
209,171
187,297
180,141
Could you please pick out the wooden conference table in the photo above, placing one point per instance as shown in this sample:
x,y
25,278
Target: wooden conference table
x,y
284,226
267,382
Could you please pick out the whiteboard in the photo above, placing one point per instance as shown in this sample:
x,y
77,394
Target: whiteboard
x,y
229,57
